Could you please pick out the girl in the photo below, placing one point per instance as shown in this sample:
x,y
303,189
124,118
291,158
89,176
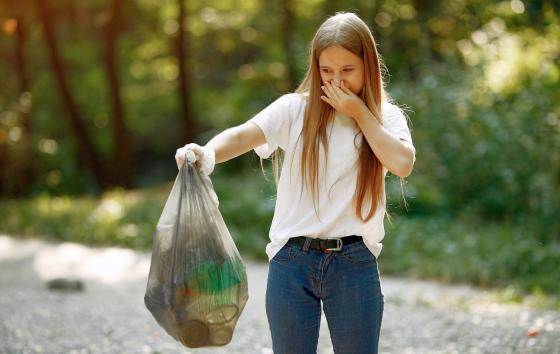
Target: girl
x,y
340,135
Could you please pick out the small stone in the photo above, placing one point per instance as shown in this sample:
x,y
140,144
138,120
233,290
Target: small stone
x,y
65,284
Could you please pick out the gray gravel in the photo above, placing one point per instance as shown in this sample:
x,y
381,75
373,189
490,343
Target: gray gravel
x,y
109,315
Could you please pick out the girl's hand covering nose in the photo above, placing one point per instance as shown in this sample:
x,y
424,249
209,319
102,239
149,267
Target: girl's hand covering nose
x,y
343,100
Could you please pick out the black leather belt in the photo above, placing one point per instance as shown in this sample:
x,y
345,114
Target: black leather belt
x,y
326,245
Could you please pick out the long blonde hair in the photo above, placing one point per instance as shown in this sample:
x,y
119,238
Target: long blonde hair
x,y
346,30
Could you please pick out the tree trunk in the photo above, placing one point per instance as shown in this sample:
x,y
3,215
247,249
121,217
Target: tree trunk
x,y
122,169
3,138
187,126
23,172
330,7
425,9
376,7
85,146
288,25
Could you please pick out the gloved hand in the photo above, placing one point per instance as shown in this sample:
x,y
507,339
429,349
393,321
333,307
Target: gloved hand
x,y
204,157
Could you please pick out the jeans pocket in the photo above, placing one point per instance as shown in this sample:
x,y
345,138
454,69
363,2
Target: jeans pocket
x,y
358,254
286,254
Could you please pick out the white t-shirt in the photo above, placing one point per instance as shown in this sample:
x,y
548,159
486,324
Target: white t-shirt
x,y
281,123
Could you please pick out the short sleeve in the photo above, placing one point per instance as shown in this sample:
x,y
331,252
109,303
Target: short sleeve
x,y
395,122
275,122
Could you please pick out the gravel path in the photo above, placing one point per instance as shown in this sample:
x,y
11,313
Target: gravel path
x,y
109,315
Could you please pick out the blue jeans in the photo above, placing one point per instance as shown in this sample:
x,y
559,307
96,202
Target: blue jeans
x,y
347,282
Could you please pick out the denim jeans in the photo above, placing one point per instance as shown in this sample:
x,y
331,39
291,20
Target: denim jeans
x,y
347,282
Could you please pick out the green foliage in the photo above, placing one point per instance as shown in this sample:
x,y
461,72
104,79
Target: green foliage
x,y
118,217
129,218
489,147
469,249
247,206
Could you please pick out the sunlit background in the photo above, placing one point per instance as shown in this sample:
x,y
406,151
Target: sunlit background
x,y
96,96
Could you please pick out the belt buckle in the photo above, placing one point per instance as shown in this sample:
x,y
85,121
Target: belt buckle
x,y
337,248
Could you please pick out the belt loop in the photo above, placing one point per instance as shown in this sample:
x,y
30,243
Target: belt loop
x,y
305,247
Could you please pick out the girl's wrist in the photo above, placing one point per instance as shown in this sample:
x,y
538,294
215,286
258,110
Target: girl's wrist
x,y
364,115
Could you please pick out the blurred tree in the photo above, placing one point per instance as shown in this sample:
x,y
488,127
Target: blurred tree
x,y
288,26
425,9
330,7
81,136
21,165
24,167
121,162
122,165
182,39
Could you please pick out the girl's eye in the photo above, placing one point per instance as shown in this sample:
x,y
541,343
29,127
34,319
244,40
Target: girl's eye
x,y
326,71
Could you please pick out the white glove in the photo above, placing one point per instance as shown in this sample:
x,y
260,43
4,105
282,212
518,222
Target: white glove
x,y
204,157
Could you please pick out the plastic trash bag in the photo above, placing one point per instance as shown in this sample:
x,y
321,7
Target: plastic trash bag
x,y
197,285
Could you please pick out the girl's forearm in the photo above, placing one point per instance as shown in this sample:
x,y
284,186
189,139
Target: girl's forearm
x,y
226,145
397,156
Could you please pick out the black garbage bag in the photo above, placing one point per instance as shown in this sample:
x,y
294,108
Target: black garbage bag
x,y
197,285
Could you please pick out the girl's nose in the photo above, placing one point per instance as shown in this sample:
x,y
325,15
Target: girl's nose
x,y
336,81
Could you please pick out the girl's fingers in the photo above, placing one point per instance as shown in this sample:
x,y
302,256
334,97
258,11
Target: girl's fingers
x,y
329,97
326,99
345,89
334,89
327,89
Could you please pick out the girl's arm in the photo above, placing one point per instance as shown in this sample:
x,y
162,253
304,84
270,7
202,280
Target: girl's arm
x,y
396,155
236,141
